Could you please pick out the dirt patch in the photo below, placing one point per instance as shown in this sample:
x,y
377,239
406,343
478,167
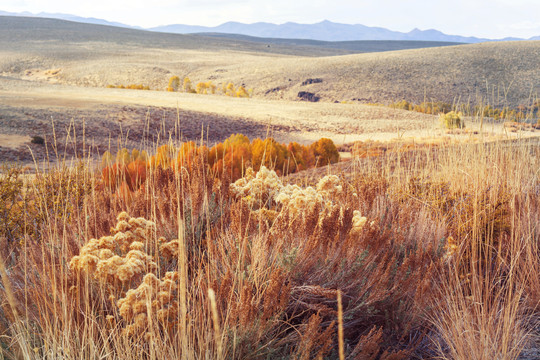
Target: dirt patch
x,y
50,75
13,141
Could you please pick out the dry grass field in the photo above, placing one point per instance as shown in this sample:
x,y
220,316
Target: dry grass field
x,y
140,224
501,73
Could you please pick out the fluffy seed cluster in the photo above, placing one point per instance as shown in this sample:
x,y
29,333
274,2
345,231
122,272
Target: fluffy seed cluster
x,y
122,259
261,188
358,222
257,189
121,256
298,200
152,303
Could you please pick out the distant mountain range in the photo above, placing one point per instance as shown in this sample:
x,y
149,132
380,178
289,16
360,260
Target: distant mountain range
x,y
324,30
69,18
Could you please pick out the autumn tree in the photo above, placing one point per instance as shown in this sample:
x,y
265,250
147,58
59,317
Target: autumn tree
x,y
242,93
230,90
212,87
325,152
231,157
270,153
300,157
187,85
202,88
174,83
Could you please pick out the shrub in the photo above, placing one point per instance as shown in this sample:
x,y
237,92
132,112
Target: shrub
x,y
163,158
126,168
174,83
403,104
189,153
308,96
136,171
37,140
270,153
231,157
13,209
451,120
131,86
242,92
114,175
187,85
311,81
205,87
325,152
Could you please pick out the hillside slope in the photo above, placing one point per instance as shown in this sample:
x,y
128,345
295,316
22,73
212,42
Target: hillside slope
x,y
501,73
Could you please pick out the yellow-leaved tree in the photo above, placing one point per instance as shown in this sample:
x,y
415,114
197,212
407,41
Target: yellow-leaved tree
x,y
174,83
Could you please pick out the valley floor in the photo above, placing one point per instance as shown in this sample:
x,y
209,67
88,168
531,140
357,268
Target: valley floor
x,y
31,108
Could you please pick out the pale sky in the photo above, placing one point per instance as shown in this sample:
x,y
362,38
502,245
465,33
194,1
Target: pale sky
x,y
481,18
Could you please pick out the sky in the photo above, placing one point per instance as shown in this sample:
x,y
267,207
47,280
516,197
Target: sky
x,y
481,18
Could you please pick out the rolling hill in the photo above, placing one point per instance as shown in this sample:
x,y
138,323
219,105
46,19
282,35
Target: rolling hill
x,y
502,73
14,31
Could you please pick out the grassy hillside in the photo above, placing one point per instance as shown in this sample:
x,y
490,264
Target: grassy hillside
x,y
358,46
16,31
502,73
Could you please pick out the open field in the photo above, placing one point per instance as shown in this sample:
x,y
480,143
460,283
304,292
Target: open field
x,y
59,71
107,116
141,225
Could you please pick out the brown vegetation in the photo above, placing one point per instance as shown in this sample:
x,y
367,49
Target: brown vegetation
x,y
425,262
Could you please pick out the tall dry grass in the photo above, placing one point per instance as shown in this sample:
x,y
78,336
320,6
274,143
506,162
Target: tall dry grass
x,y
445,265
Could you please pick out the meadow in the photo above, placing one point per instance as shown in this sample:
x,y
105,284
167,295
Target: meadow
x,y
218,214
420,253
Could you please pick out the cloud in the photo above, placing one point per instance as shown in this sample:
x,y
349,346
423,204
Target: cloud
x,y
525,25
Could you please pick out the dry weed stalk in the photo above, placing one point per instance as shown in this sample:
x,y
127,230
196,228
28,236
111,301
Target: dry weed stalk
x,y
255,272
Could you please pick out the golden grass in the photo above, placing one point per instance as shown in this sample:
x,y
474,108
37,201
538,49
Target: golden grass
x,y
426,253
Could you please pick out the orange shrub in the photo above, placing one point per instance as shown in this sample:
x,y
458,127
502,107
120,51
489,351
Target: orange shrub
x,y
325,152
300,157
114,175
270,153
136,171
231,157
163,158
188,153
124,192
